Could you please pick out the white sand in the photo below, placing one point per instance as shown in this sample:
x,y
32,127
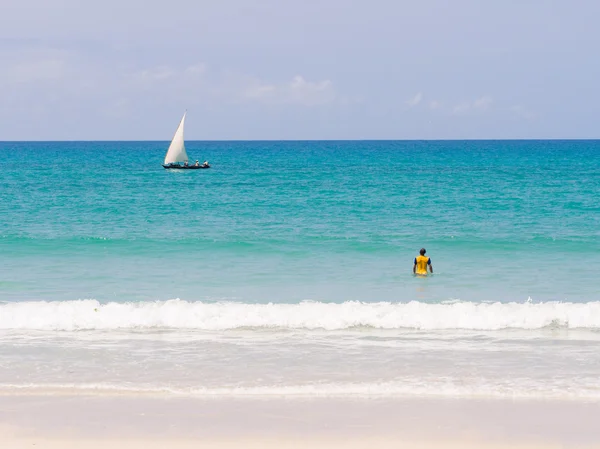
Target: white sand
x,y
141,422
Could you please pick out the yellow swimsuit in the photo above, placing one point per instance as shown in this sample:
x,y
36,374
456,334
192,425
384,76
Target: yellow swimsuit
x,y
421,262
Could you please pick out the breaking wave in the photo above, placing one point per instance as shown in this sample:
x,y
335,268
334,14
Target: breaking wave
x,y
441,388
177,314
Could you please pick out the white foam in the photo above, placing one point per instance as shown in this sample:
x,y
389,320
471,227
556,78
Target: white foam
x,y
178,314
406,388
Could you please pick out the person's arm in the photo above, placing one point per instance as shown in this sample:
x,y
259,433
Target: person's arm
x,y
430,266
415,267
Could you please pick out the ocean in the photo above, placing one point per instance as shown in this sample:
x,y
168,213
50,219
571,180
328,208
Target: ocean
x,y
286,269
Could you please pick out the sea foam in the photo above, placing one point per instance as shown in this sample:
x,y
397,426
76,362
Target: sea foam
x,y
442,388
177,314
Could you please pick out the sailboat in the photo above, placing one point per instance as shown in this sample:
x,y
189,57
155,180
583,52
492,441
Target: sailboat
x,y
176,157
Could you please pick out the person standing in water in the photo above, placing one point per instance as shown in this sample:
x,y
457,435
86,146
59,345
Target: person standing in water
x,y
421,263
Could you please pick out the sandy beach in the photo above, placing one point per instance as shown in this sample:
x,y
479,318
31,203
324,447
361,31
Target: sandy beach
x,y
150,422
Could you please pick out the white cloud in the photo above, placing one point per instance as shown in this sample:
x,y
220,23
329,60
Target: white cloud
x,y
482,103
196,69
32,71
68,84
156,74
178,82
33,66
461,108
478,105
196,82
260,91
297,91
523,113
433,105
414,101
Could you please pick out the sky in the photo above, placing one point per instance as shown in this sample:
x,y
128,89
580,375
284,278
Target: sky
x,y
299,69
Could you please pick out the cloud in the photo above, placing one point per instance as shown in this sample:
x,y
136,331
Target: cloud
x,y
62,85
298,91
260,91
433,105
415,100
42,70
33,66
195,83
523,113
480,104
163,81
148,77
461,108
196,69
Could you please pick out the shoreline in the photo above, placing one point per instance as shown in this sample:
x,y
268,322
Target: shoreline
x,y
94,421
217,395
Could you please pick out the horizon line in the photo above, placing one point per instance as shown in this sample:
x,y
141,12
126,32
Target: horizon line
x,y
582,139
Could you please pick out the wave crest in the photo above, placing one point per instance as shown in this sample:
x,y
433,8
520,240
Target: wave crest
x,y
177,314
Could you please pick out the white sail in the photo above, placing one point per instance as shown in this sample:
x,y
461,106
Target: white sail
x,y
176,151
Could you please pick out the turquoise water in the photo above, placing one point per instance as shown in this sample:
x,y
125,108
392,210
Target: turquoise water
x,y
287,221
286,269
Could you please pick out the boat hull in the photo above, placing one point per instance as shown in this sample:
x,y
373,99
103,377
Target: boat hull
x,y
183,167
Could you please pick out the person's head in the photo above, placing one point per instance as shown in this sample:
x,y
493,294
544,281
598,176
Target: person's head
x,y
422,252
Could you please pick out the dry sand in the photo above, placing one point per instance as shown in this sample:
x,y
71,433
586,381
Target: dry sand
x,y
65,422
